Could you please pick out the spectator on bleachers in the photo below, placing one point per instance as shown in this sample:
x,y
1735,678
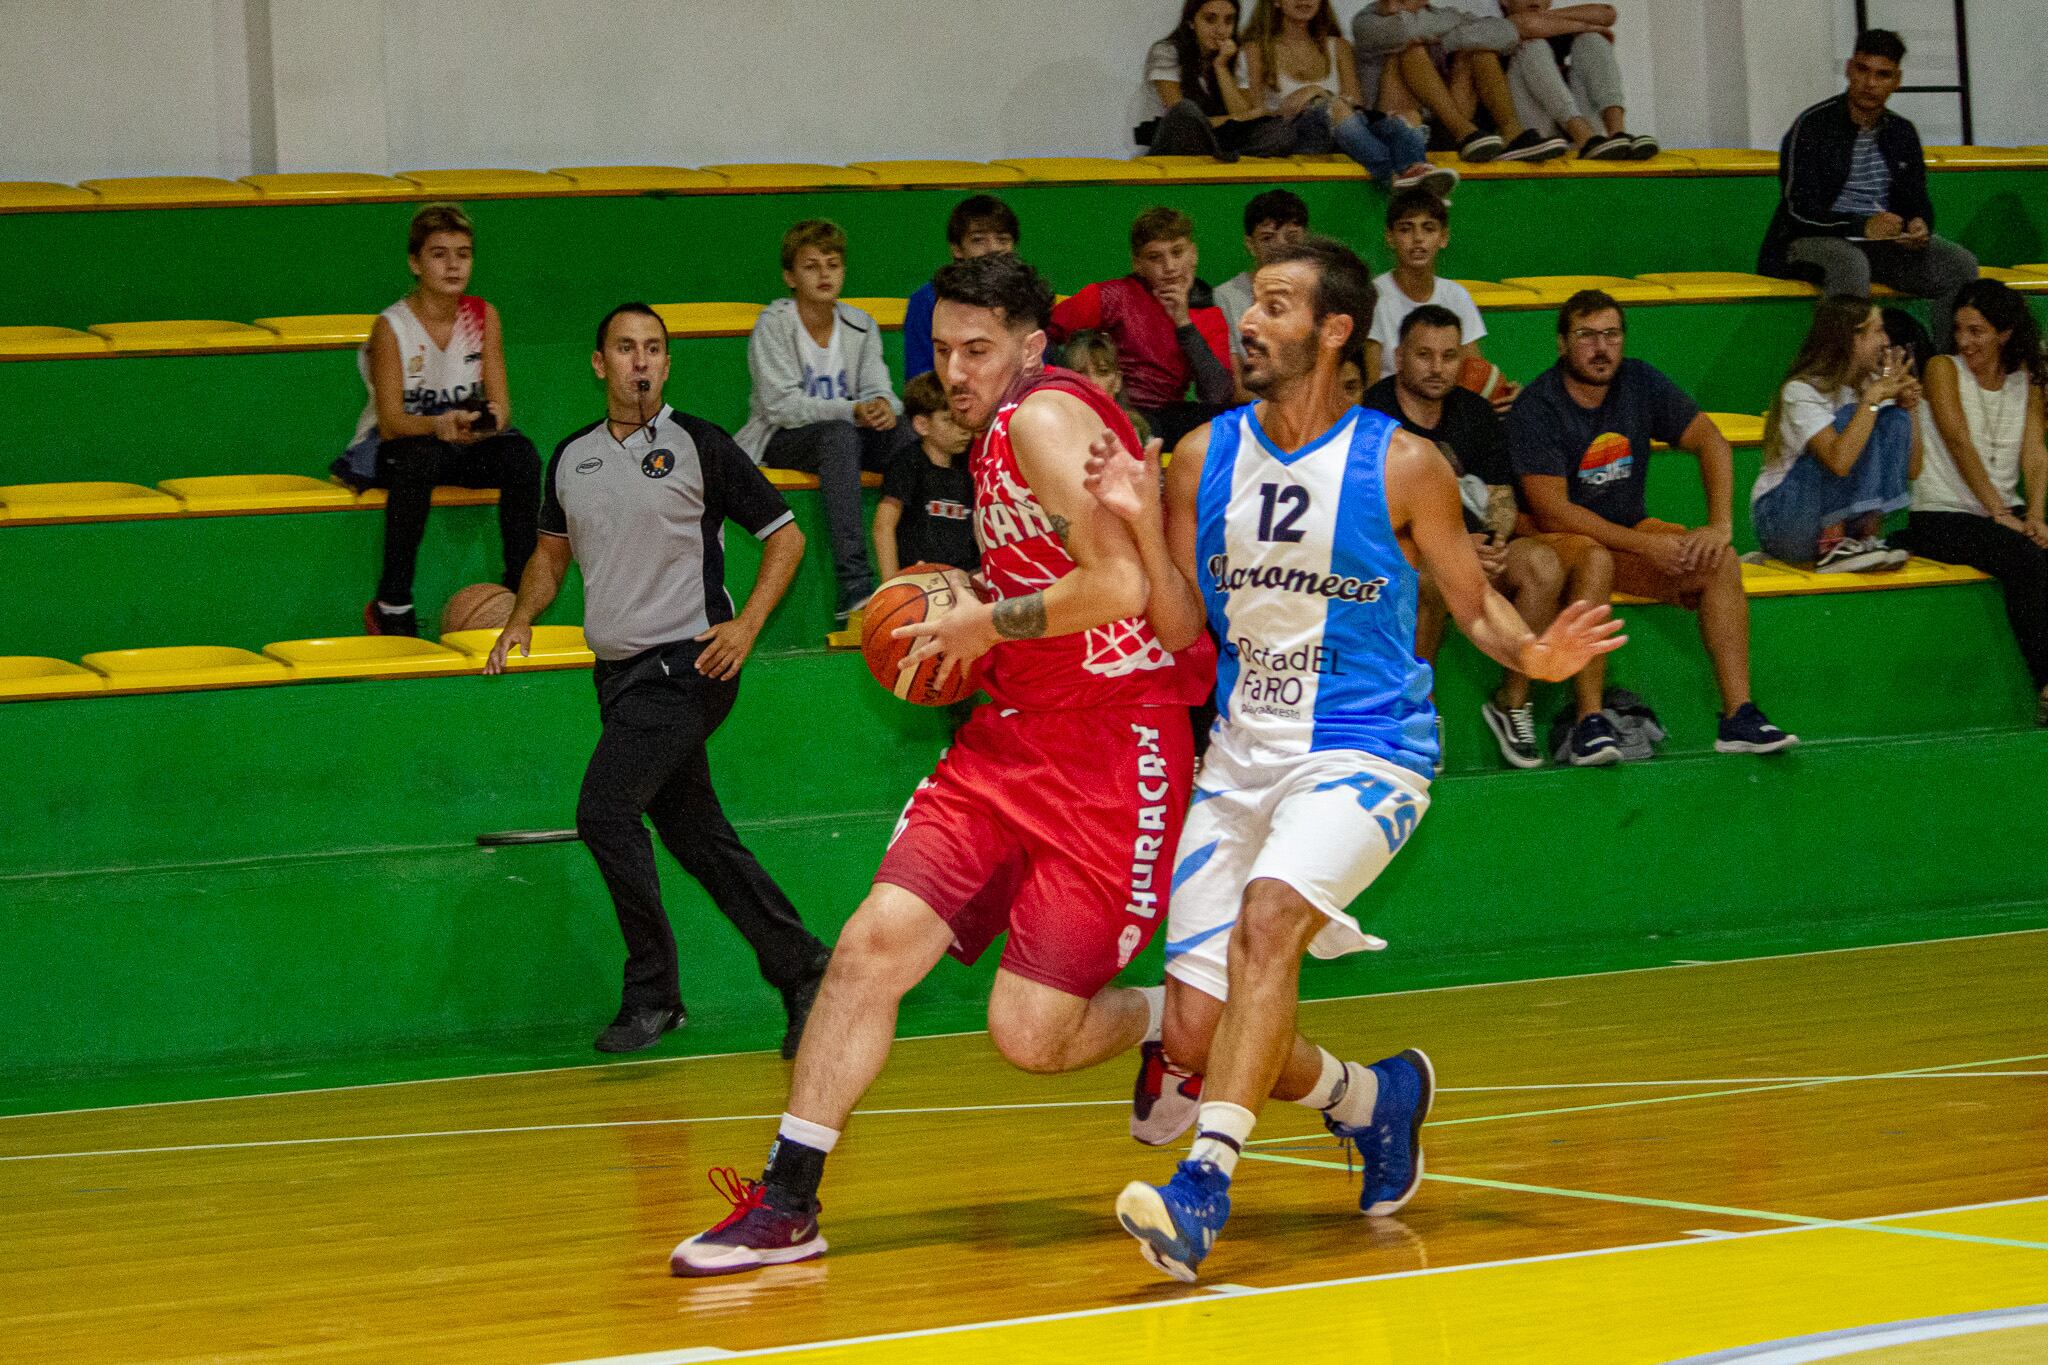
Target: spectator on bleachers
x,y
1418,229
1580,438
1565,78
1351,380
1299,64
639,500
926,514
1093,356
1168,332
1853,206
1273,219
1982,495
1423,395
1841,445
822,402
1415,57
1197,73
978,226
439,412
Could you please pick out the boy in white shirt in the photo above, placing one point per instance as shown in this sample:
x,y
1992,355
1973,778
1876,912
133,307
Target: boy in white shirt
x,y
1418,229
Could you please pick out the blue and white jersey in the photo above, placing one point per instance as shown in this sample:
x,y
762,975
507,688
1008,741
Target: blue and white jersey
x,y
1308,592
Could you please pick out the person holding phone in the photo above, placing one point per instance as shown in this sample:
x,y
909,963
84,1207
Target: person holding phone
x,y
438,413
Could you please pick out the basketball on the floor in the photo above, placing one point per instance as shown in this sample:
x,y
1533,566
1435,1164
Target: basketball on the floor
x,y
1481,376
480,606
922,592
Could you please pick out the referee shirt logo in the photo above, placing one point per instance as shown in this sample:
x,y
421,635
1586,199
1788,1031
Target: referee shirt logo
x,y
658,464
591,465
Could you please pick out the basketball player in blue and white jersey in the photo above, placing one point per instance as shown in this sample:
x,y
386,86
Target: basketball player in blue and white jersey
x,y
1294,528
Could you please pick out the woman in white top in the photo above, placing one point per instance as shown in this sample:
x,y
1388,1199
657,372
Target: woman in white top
x,y
1299,64
438,413
1198,74
1841,445
1980,499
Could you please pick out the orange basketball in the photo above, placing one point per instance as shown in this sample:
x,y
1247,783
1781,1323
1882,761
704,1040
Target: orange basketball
x,y
480,606
1483,377
921,592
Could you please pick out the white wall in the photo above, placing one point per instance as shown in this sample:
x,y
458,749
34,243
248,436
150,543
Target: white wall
x,y
223,87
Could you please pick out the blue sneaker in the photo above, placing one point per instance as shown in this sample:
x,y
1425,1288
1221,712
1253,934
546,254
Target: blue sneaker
x,y
1390,1147
1749,731
1176,1223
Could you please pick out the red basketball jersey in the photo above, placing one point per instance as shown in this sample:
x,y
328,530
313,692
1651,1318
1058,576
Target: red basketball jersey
x,y
1120,664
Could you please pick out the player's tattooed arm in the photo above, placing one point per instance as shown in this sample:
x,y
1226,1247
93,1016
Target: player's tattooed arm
x,y
1023,618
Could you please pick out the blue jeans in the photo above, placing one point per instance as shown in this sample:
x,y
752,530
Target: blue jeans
x,y
1383,144
1790,517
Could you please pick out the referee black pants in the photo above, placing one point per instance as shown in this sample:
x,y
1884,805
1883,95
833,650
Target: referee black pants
x,y
659,712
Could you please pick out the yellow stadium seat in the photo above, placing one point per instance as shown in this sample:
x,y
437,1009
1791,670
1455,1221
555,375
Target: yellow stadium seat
x,y
16,195
486,183
1208,170
888,312
183,335
85,501
183,666
1662,164
1985,158
1731,160
938,174
2038,268
1720,286
1082,170
638,179
792,175
1487,294
1313,166
1885,291
1492,170
445,495
2025,281
321,187
168,191
789,480
553,647
1772,579
1740,428
23,677
368,656
229,494
1915,573
321,329
1555,289
52,341
709,319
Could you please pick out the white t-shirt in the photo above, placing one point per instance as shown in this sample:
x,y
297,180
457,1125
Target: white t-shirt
x,y
1804,412
1162,63
1234,297
1394,307
824,366
1997,419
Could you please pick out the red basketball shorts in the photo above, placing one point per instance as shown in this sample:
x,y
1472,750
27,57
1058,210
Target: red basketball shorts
x,y
1057,826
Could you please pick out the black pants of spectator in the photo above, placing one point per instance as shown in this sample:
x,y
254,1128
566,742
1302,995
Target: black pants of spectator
x,y
659,713
2019,565
410,467
837,452
1176,420
1185,130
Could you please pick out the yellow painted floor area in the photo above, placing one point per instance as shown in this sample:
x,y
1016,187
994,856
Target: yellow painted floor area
x,y
1637,1167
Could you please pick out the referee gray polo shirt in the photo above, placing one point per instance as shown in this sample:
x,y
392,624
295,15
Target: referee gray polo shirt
x,y
645,517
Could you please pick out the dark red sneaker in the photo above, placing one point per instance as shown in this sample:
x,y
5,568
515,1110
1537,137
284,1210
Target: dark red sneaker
x,y
757,1232
1165,1099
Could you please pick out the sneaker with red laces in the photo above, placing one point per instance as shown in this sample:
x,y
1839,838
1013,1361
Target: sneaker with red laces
x,y
757,1232
1165,1099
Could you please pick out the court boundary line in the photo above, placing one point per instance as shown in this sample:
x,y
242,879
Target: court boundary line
x,y
1876,1223
1690,965
1196,1298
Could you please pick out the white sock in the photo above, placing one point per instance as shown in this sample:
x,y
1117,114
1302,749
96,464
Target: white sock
x,y
1355,1098
802,1131
1329,1085
1155,1011
1221,1130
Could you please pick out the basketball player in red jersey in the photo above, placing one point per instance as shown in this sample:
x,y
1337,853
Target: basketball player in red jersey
x,y
1056,813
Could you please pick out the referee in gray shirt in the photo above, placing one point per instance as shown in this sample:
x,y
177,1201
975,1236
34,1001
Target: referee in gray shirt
x,y
640,500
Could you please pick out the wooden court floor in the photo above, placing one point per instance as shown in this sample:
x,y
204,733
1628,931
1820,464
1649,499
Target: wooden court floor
x,y
1640,1166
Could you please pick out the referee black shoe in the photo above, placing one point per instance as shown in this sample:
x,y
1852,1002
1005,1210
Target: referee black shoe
x,y
797,1001
639,1027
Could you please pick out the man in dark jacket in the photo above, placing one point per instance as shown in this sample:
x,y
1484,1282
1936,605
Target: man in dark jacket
x,y
1852,202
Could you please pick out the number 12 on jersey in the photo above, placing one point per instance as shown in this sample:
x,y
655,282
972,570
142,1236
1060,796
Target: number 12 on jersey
x,y
1290,503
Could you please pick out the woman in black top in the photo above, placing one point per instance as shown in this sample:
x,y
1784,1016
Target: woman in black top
x,y
1197,72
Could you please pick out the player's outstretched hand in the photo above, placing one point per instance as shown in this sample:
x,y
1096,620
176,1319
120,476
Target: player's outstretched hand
x,y
1581,633
959,637
1126,484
